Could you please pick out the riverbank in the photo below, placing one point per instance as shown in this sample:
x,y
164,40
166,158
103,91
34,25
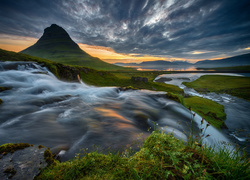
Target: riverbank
x,y
235,86
161,156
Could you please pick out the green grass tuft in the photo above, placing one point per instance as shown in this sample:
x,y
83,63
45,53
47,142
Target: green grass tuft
x,y
162,156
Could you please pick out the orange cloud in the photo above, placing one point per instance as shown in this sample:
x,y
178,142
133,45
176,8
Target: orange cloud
x,y
15,43
107,54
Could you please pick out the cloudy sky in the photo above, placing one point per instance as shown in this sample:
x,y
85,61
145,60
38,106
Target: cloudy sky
x,y
133,30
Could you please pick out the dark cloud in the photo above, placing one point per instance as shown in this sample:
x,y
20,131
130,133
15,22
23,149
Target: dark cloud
x,y
154,27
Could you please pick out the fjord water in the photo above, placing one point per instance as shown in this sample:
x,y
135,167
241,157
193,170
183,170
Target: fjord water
x,y
236,109
40,109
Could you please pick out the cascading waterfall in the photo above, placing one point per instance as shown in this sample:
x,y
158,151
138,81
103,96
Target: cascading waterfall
x,y
40,109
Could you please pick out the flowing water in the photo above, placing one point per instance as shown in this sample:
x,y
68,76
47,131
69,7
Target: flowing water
x,y
40,109
237,110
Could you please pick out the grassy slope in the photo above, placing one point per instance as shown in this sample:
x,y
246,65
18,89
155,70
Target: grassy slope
x,y
236,86
209,110
161,157
65,51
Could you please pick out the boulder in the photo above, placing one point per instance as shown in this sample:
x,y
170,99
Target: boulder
x,y
23,164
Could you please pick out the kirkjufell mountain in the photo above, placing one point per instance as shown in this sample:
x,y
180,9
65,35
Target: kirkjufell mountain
x,y
56,45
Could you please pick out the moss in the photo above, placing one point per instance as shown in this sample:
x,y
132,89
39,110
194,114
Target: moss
x,y
49,157
4,88
173,97
40,147
11,148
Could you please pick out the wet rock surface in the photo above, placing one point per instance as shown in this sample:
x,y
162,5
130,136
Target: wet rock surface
x,y
22,164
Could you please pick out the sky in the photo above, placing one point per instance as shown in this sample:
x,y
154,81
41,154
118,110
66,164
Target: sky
x,y
133,30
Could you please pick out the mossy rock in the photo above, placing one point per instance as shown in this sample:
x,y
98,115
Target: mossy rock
x,y
4,88
11,148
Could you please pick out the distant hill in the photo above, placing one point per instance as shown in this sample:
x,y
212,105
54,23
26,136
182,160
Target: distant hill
x,y
157,63
241,60
126,64
56,45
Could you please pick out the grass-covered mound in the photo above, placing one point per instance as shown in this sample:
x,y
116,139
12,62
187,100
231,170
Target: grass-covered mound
x,y
212,111
234,85
161,157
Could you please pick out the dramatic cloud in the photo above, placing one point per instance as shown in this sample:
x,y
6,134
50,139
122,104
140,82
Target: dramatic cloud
x,y
193,29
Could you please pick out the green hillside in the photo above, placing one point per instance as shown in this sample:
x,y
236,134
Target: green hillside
x,y
56,45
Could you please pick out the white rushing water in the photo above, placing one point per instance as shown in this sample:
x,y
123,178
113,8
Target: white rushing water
x,y
40,109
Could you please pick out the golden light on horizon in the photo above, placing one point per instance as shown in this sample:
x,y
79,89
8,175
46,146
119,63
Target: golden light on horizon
x,y
248,48
15,43
107,54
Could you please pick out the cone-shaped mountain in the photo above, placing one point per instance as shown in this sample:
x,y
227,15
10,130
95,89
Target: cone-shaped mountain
x,y
56,45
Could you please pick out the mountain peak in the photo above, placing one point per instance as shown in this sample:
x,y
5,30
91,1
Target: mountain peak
x,y
54,32
56,45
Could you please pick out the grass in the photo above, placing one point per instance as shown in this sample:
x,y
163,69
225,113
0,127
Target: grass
x,y
207,109
233,85
162,156
11,148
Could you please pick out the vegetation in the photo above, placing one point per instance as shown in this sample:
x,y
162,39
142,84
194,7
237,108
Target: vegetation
x,y
4,88
11,148
162,156
207,109
234,85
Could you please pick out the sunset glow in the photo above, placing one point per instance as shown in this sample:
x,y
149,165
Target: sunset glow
x,y
109,55
15,43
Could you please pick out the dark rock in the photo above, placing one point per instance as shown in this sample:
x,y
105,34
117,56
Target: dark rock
x,y
140,79
163,79
23,164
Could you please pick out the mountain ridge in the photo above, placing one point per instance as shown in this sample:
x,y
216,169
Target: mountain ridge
x,y
56,44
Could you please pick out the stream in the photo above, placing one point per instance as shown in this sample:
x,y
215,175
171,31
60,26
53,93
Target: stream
x,y
236,109
67,117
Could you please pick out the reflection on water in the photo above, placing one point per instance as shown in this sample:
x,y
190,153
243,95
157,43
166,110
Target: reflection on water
x,y
40,109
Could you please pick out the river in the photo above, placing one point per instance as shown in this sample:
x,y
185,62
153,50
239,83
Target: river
x,y
236,109
40,109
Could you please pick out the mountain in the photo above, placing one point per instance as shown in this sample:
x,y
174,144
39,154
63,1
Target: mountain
x,y
240,60
56,45
126,64
157,63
